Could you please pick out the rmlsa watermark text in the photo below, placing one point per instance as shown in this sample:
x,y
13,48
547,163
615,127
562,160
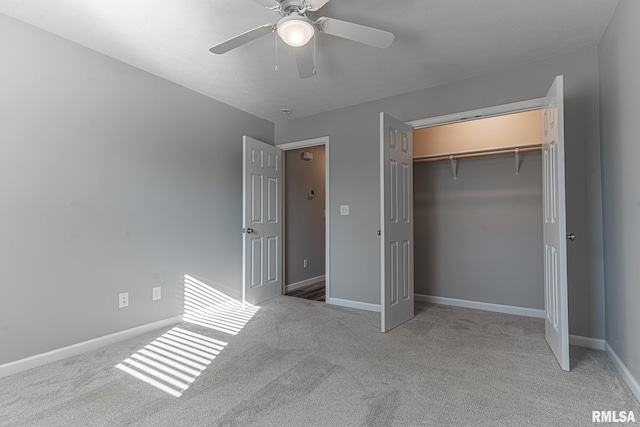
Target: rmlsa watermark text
x,y
613,417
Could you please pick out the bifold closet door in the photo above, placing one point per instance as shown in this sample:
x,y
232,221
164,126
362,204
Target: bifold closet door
x,y
555,225
396,217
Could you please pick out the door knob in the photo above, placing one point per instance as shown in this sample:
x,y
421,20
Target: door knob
x,y
249,230
571,237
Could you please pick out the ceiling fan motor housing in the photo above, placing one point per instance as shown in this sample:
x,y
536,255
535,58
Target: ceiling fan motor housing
x,y
286,7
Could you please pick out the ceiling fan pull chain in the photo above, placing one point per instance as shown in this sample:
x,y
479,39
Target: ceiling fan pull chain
x,y
314,54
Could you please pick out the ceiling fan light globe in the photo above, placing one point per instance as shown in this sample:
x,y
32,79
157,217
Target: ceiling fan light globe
x,y
295,32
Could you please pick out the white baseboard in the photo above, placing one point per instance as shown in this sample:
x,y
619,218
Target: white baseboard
x,y
354,304
486,306
306,282
75,349
586,342
628,377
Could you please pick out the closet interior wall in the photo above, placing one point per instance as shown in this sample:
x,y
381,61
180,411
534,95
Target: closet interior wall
x,y
479,237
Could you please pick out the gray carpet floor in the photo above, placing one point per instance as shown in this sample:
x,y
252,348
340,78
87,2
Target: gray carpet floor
x,y
301,363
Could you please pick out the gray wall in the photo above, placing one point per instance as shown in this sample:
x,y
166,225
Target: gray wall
x,y
478,237
354,133
111,180
304,218
620,104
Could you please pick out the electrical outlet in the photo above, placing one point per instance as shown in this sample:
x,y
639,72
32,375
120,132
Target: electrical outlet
x,y
304,263
123,299
344,209
157,293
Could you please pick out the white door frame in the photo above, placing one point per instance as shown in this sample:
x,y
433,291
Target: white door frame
x,y
481,113
323,140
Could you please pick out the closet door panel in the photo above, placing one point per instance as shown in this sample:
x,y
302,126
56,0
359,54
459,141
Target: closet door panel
x,y
396,211
554,226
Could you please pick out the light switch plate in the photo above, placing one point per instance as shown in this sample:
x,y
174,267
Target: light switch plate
x,y
157,293
344,209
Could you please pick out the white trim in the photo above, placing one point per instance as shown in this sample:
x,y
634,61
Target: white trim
x,y
323,140
81,347
381,232
354,304
628,377
481,113
302,283
586,342
486,306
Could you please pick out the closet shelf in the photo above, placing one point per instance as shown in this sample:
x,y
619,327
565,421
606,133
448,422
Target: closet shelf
x,y
453,157
478,153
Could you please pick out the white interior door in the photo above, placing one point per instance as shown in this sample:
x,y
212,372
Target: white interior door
x,y
554,241
396,217
262,222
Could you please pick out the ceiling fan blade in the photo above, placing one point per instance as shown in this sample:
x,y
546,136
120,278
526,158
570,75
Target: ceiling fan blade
x,y
266,3
356,32
316,4
304,59
243,38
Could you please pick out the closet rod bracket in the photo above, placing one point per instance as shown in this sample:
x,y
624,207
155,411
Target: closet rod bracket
x,y
454,166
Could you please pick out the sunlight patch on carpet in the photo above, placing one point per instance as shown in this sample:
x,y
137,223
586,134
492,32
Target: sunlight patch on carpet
x,y
174,360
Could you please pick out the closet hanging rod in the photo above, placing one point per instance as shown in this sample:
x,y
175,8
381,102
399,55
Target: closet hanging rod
x,y
479,153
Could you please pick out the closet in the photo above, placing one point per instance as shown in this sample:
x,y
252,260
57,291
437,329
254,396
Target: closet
x,y
478,212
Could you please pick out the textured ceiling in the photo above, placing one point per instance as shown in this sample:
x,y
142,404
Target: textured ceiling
x,y
437,42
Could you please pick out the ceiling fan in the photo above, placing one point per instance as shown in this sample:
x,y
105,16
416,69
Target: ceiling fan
x,y
296,28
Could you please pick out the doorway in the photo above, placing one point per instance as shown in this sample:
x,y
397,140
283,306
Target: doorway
x,y
478,213
553,203
306,225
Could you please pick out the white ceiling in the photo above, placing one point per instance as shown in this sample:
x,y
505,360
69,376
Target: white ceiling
x,y
437,42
